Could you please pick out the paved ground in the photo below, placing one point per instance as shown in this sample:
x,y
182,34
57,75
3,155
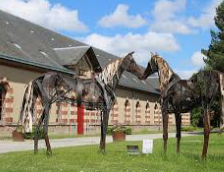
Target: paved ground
x,y
10,146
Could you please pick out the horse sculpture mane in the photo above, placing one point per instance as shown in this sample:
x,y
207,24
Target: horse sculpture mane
x,y
110,71
115,69
158,64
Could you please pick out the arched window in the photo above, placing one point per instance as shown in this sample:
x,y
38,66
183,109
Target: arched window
x,y
147,113
127,111
3,91
157,114
114,119
138,112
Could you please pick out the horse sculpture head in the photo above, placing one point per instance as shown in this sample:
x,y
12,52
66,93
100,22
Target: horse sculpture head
x,y
165,73
129,64
152,66
155,58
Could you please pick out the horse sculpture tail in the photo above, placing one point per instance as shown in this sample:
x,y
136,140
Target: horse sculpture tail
x,y
221,83
26,118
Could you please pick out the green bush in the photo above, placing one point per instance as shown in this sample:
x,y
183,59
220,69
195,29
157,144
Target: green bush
x,y
31,134
109,130
128,131
188,128
196,117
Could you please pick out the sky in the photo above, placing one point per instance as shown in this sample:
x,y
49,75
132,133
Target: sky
x,y
175,29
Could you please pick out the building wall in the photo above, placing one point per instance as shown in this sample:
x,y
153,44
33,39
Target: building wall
x,y
17,80
140,109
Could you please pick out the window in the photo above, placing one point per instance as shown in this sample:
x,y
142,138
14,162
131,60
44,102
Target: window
x,y
138,112
147,113
127,111
2,98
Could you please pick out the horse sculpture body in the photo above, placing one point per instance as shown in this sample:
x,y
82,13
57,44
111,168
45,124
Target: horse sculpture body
x,y
180,96
49,88
95,93
108,80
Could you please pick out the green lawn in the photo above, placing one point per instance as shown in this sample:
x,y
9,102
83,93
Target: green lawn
x,y
86,158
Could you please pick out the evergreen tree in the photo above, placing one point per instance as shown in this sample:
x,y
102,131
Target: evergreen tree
x,y
215,52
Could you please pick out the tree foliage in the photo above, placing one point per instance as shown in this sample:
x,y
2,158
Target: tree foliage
x,y
215,52
214,61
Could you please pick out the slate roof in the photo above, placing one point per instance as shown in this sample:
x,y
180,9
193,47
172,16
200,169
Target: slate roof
x,y
24,42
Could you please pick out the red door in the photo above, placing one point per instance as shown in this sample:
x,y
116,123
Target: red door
x,y
80,119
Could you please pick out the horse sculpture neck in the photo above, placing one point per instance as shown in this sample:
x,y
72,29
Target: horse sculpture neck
x,y
166,74
113,70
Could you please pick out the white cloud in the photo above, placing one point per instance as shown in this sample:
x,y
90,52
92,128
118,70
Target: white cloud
x,y
185,74
165,9
53,16
120,17
141,44
206,19
197,59
166,18
172,26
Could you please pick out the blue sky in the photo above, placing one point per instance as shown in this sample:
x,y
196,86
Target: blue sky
x,y
176,29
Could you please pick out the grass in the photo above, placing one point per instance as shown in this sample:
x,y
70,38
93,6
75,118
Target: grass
x,y
146,131
87,158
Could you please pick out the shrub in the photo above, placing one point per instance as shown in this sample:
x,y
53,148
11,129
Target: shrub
x,y
188,128
128,131
31,134
109,130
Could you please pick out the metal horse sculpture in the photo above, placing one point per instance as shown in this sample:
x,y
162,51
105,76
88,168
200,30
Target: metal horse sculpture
x,y
49,88
180,96
95,93
103,93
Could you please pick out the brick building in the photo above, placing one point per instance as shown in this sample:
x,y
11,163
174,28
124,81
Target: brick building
x,y
28,50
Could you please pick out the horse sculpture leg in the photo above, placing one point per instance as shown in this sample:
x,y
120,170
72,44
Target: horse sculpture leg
x,y
206,121
165,130
46,138
178,130
104,123
36,135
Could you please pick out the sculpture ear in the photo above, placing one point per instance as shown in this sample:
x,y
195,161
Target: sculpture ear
x,y
131,53
151,54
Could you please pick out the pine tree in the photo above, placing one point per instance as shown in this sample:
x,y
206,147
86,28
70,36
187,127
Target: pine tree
x,y
215,52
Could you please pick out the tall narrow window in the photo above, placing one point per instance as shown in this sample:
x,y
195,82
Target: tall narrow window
x,y
2,99
115,113
147,113
127,112
138,112
157,114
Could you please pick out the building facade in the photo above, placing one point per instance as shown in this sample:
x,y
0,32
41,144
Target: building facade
x,y
28,51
